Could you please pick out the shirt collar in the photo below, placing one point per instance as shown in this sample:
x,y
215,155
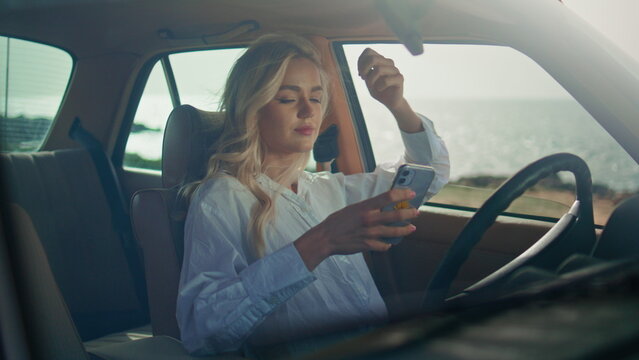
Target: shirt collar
x,y
270,185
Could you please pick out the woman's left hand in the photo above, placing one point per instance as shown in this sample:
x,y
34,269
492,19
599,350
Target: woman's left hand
x,y
386,85
384,81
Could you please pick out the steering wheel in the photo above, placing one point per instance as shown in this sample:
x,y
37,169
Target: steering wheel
x,y
573,233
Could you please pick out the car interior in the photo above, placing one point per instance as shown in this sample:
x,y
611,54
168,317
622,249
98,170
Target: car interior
x,y
92,244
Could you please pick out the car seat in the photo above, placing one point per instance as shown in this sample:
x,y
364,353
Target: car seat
x,y
46,321
619,237
158,214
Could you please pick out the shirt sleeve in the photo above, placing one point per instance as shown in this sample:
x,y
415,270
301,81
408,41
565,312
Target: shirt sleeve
x,y
424,148
221,298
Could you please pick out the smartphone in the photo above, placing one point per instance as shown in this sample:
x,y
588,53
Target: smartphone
x,y
410,176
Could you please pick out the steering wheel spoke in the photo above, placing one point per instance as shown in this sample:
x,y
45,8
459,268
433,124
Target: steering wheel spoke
x,y
573,233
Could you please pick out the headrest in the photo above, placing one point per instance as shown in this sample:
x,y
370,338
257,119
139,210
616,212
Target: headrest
x,y
188,141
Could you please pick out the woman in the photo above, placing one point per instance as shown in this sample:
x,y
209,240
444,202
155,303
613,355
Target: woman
x,y
273,253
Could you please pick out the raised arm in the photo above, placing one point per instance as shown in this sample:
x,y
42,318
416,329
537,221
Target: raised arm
x,y
385,83
422,145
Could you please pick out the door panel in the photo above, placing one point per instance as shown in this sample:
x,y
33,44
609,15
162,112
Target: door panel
x,y
404,271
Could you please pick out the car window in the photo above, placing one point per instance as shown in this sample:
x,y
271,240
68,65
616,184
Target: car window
x,y
33,80
199,79
144,147
200,76
497,111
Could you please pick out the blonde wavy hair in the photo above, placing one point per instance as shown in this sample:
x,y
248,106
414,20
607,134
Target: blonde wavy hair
x,y
252,83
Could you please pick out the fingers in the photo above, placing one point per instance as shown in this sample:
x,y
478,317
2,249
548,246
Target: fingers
x,y
373,218
376,245
371,239
370,59
382,78
389,197
365,61
384,231
360,226
378,62
379,72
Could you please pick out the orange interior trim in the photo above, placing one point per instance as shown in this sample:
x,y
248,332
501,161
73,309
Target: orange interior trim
x,y
349,159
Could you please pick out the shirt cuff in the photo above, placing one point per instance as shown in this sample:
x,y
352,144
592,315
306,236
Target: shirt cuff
x,y
418,145
276,277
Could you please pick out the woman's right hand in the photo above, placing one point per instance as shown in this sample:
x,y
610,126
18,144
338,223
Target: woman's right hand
x,y
355,228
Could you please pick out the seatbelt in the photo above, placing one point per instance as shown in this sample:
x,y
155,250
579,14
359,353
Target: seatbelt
x,y
115,198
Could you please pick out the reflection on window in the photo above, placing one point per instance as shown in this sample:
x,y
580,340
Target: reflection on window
x,y
33,80
498,111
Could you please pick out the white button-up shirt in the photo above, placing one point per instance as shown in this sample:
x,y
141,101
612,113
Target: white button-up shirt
x,y
227,296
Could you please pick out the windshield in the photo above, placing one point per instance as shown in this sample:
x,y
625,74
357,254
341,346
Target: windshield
x,y
497,111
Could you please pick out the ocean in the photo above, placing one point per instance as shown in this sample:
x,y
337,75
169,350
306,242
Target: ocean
x,y
499,137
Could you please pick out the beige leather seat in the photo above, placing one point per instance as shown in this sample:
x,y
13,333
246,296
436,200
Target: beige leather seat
x,y
51,333
62,193
158,214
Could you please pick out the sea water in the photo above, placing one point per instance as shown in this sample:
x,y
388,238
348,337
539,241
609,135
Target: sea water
x,y
499,137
